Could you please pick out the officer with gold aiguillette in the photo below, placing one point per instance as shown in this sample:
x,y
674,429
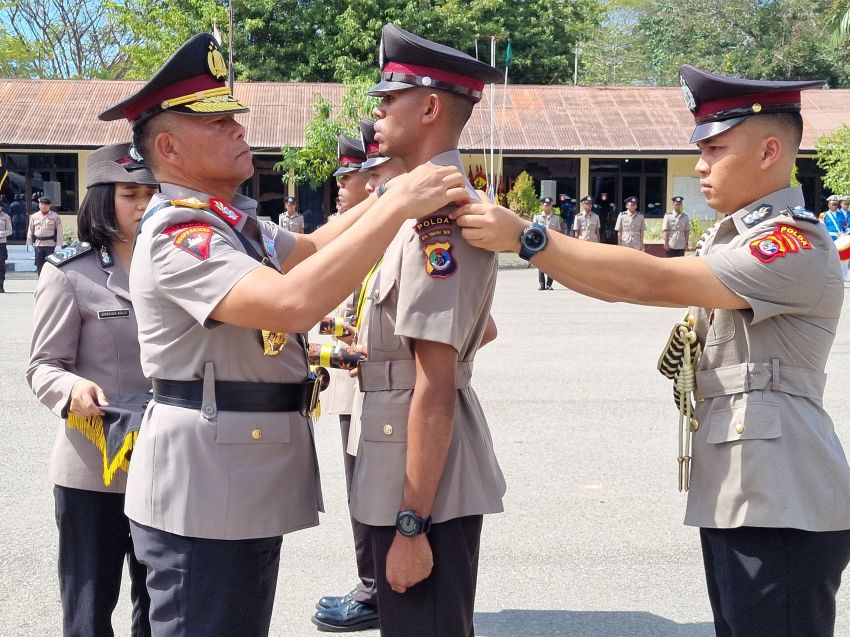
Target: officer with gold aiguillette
x,y
769,481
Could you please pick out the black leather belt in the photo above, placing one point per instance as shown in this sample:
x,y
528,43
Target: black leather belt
x,y
234,395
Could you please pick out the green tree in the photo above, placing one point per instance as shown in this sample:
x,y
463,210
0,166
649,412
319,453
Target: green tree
x,y
522,198
316,160
833,155
838,22
760,39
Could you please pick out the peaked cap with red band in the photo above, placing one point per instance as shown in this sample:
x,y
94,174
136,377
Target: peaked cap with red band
x,y
406,60
719,102
191,82
350,153
367,138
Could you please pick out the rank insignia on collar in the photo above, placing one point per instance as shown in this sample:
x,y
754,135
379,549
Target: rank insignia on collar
x,y
757,215
798,212
439,260
191,202
783,240
106,258
224,210
193,238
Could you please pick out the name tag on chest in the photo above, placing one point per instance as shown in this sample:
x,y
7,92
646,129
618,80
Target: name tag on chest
x,y
111,314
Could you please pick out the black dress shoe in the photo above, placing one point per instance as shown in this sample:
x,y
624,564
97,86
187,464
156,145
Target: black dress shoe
x,y
332,601
347,618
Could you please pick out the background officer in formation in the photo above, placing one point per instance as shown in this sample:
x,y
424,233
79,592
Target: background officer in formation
x,y
844,203
358,609
290,219
225,461
84,360
834,218
586,224
630,226
770,484
44,232
553,222
676,229
6,230
415,482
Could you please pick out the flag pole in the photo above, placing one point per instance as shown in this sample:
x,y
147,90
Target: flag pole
x,y
230,42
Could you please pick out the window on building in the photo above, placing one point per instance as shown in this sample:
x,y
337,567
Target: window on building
x,y
32,175
563,171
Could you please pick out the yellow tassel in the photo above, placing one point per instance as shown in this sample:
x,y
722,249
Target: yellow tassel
x,y
91,427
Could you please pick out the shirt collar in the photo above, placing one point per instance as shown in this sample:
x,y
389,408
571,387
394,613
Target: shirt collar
x,y
243,204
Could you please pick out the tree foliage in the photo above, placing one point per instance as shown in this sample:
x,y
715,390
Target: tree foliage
x,y
833,156
316,160
61,38
522,198
646,42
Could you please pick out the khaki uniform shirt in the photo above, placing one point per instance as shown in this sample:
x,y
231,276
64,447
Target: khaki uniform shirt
x,y
84,326
44,230
295,223
766,453
432,286
202,473
552,222
630,226
6,229
586,226
676,227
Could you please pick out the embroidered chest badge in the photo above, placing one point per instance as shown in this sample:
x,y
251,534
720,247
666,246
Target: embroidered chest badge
x,y
439,260
193,238
783,240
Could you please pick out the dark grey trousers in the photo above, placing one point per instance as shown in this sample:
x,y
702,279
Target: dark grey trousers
x,y
367,590
94,541
442,604
41,254
766,582
200,587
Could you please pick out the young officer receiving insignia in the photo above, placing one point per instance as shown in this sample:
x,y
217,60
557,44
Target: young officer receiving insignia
x,y
769,481
225,463
84,366
425,471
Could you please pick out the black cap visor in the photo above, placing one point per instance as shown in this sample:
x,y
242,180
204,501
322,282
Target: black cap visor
x,y
711,129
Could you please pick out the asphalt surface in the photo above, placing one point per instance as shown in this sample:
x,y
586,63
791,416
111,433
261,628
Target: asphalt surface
x,y
591,543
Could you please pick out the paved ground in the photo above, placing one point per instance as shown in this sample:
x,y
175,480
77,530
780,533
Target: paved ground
x,y
591,544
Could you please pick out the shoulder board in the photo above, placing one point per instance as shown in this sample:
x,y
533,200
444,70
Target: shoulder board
x,y
191,202
66,255
800,213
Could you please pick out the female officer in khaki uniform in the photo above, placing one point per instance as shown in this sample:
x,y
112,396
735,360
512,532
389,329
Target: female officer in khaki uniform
x,y
85,356
769,480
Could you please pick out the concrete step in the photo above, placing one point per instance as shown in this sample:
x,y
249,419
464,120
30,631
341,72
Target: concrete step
x,y
20,259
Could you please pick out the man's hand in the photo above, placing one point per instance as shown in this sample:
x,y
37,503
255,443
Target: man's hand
x,y
427,188
354,373
409,561
87,398
489,226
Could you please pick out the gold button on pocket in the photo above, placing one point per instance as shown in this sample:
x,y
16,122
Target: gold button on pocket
x,y
388,430
257,433
739,428
694,424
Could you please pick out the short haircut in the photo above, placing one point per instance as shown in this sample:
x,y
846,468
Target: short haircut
x,y
96,219
458,108
144,136
790,123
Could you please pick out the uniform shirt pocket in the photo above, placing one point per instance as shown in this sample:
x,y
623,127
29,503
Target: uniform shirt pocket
x,y
750,421
722,328
386,424
243,428
385,319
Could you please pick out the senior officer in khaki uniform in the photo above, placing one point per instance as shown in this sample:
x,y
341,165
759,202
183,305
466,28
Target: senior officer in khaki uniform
x,y
586,224
425,471
769,481
225,462
676,229
358,609
44,232
553,222
630,226
84,366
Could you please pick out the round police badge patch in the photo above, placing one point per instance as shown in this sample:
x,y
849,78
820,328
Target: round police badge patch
x,y
766,250
439,261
